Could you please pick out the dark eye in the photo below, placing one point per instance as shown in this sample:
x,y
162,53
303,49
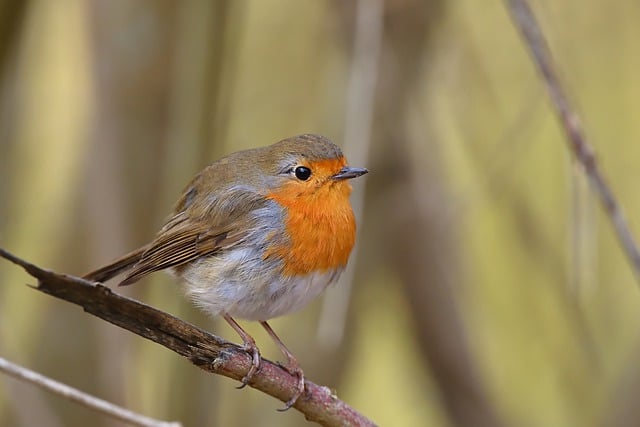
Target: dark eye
x,y
302,173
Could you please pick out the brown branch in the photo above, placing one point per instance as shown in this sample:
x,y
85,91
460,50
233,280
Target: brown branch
x,y
207,351
526,23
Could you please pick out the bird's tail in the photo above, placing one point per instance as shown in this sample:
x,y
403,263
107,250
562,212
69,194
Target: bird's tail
x,y
117,267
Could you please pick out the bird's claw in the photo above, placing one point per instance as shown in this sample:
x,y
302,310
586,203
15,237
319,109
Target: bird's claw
x,y
294,369
255,363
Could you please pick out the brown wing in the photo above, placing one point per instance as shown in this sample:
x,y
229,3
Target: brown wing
x,y
181,241
118,266
201,226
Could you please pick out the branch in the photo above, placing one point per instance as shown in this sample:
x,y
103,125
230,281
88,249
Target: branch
x,y
206,351
526,23
84,399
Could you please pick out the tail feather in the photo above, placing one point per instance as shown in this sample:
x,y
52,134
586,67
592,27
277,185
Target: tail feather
x,y
117,267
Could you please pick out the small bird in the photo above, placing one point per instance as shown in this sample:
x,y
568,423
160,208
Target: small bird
x,y
256,235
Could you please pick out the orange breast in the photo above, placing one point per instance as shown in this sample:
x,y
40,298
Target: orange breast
x,y
321,227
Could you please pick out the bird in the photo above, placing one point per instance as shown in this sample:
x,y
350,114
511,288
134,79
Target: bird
x,y
256,235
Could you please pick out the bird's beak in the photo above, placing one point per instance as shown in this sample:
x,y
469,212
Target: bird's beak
x,y
348,172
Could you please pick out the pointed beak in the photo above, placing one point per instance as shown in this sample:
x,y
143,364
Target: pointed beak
x,y
348,172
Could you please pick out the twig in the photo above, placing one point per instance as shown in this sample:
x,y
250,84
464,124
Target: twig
x,y
526,23
84,399
207,351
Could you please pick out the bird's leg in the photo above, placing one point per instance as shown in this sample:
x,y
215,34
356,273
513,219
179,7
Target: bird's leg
x,y
249,345
292,366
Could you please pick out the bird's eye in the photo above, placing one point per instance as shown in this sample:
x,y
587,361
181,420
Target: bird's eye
x,y
302,173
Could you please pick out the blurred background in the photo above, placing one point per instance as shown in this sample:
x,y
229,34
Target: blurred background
x,y
487,287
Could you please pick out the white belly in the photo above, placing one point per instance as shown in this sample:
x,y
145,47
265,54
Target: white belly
x,y
246,286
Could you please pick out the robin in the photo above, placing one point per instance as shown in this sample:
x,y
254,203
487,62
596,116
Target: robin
x,y
256,235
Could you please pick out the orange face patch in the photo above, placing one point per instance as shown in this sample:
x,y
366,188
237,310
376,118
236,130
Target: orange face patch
x,y
319,220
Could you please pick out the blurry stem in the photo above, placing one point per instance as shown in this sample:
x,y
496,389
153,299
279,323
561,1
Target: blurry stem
x,y
583,236
363,78
526,23
582,241
80,397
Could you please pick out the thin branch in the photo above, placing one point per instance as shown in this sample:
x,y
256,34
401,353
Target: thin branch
x,y
84,399
207,351
526,23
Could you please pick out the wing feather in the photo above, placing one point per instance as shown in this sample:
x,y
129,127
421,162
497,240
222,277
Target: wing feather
x,y
200,227
187,237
